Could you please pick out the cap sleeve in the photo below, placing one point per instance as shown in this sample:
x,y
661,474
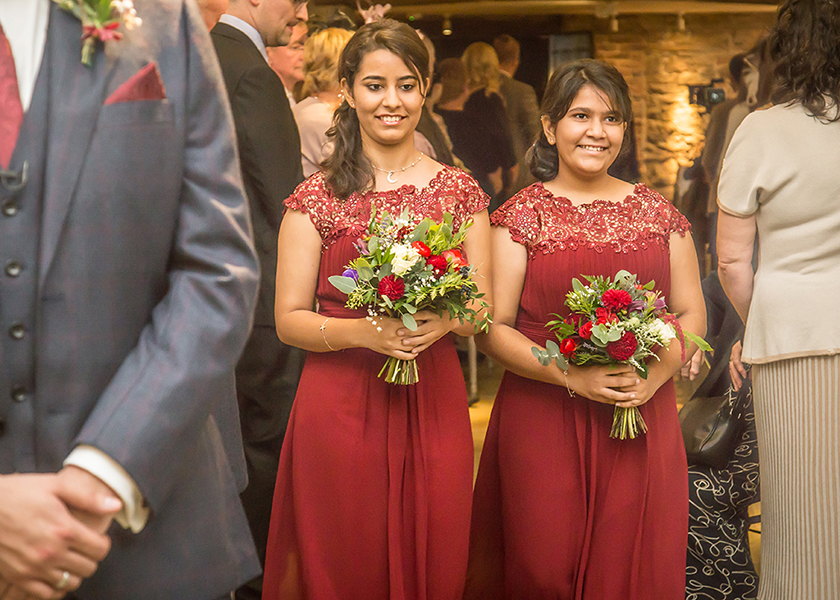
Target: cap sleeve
x,y
739,189
475,198
677,223
520,217
314,199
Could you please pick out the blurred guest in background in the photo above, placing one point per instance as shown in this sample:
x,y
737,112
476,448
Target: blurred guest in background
x,y
269,155
780,182
477,120
287,62
431,125
521,101
319,94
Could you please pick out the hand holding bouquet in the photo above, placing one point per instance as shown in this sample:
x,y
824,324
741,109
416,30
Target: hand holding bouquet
x,y
615,322
404,268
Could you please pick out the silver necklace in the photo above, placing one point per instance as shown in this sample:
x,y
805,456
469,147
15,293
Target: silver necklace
x,y
392,175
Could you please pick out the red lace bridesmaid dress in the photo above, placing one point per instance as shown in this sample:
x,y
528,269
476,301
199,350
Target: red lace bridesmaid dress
x,y
374,486
561,510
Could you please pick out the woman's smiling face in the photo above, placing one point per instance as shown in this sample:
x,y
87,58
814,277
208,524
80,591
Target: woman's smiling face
x,y
588,137
388,98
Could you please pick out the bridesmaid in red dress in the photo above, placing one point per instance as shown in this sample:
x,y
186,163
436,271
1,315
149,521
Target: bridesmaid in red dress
x,y
561,510
374,486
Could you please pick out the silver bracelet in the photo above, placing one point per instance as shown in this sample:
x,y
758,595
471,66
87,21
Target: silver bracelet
x,y
324,333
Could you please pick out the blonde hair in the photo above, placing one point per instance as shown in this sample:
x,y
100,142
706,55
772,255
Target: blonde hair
x,y
482,65
321,53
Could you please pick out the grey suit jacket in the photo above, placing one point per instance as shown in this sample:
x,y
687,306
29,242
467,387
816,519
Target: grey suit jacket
x,y
146,285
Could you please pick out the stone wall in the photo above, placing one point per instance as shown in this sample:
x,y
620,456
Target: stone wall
x,y
659,63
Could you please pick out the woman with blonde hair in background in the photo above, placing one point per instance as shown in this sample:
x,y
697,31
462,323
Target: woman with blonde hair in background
x,y
478,123
320,95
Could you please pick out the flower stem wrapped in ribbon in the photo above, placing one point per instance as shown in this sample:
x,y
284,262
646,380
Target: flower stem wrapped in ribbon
x,y
615,321
404,267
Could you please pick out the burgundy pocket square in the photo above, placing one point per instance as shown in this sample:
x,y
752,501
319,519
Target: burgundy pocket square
x,y
146,84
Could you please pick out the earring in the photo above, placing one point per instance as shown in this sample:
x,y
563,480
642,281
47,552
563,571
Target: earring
x,y
551,140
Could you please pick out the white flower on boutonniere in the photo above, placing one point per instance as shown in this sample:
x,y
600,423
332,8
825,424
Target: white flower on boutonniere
x,y
100,20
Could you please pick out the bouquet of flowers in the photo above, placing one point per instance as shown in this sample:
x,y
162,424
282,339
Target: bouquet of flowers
x,y
404,267
615,321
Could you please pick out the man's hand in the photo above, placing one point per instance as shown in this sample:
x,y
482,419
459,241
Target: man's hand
x,y
10,592
78,487
39,537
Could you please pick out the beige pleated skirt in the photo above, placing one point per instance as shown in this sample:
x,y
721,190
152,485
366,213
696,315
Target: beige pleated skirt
x,y
797,415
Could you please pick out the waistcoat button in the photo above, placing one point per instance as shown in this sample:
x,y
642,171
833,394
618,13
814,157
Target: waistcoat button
x,y
10,208
13,268
17,331
18,393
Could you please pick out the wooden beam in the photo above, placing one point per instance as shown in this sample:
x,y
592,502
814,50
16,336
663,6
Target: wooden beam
x,y
476,8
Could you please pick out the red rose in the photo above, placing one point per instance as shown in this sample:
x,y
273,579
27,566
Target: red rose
x,y
455,257
586,330
603,316
422,249
616,299
438,264
623,348
567,347
392,287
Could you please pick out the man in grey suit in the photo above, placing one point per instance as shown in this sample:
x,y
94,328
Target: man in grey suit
x,y
269,151
128,284
522,107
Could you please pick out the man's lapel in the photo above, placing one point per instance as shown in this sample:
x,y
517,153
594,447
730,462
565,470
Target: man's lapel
x,y
76,94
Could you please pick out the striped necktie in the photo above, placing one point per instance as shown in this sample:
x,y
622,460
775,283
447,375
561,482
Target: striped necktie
x,y
11,110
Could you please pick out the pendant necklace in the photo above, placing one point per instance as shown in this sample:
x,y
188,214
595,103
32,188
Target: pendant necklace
x,y
392,175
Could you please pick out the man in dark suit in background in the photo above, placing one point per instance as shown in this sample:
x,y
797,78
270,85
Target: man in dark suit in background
x,y
126,297
269,152
522,106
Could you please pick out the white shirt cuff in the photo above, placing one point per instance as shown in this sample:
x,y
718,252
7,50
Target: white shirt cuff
x,y
134,513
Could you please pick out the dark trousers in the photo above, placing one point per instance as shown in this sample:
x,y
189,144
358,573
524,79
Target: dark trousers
x,y
266,381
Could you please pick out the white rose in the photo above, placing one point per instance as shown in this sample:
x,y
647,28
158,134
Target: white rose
x,y
665,332
405,257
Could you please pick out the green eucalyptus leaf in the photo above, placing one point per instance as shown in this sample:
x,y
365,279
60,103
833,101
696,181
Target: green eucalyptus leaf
x,y
365,273
409,322
614,334
600,333
373,245
343,284
578,286
562,363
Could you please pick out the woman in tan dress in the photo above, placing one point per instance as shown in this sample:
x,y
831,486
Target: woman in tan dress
x,y
781,182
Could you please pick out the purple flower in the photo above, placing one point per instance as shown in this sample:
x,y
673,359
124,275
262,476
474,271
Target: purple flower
x,y
352,274
637,306
659,304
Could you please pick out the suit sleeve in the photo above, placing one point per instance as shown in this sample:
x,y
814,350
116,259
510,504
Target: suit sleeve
x,y
271,161
153,413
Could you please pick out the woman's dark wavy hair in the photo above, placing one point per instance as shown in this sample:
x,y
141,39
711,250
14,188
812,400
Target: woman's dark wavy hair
x,y
805,45
561,91
348,168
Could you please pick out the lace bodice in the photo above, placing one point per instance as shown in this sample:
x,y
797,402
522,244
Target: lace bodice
x,y
450,191
543,222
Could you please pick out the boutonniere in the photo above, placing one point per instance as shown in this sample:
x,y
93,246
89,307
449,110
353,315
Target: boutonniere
x,y
100,21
